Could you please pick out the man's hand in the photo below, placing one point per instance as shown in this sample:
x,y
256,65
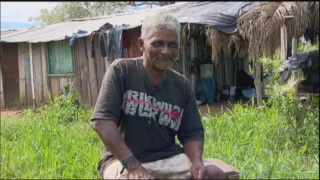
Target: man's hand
x,y
136,171
198,171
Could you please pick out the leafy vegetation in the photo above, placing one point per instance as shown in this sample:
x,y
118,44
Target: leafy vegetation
x,y
303,47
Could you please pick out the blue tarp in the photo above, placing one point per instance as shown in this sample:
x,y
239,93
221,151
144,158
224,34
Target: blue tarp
x,y
220,15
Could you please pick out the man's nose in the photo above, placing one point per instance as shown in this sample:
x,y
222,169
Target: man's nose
x,y
165,50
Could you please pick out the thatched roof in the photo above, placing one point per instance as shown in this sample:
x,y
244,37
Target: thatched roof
x,y
218,40
259,28
261,25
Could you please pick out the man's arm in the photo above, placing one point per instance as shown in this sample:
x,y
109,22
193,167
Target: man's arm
x,y
191,135
111,138
194,150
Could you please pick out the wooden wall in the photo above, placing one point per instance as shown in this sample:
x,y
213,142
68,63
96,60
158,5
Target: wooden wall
x,y
39,73
89,72
133,36
9,85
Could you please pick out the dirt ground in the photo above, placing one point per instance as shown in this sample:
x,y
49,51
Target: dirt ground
x,y
9,112
214,108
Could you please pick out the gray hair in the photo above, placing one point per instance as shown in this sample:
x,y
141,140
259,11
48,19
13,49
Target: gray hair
x,y
161,19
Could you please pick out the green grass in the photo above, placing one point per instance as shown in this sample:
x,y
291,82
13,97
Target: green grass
x,y
260,144
58,142
35,146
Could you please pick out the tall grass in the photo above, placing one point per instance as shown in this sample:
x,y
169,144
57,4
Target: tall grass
x,y
57,141
261,143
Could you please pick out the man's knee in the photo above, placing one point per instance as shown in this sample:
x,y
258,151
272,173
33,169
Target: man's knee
x,y
213,172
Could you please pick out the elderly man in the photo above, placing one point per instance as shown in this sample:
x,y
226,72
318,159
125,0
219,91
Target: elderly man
x,y
143,105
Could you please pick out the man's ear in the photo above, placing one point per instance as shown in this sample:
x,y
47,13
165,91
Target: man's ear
x,y
141,44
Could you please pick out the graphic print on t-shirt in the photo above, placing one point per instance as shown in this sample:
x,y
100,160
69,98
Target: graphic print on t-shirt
x,y
147,106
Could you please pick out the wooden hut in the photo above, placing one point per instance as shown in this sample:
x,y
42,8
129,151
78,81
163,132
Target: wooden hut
x,y
36,63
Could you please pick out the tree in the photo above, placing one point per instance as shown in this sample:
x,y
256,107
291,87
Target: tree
x,y
71,10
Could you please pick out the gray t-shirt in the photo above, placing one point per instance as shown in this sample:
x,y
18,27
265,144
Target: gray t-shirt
x,y
149,117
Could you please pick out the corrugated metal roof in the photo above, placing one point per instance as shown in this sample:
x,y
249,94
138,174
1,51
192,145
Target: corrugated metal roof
x,y
59,31
5,33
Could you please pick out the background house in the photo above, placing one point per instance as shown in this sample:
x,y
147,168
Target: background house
x,y
36,63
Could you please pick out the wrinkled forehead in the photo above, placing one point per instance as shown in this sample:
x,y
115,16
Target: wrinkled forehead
x,y
163,33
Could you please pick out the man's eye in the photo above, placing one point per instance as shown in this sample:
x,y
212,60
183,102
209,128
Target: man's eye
x,y
157,43
173,45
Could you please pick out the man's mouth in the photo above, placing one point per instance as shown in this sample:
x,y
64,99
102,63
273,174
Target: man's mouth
x,y
164,58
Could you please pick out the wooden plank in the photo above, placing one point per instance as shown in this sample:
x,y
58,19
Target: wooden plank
x,y
63,82
28,74
55,86
84,71
228,67
92,74
99,62
220,69
22,74
37,74
236,68
183,55
32,72
10,73
45,80
134,35
77,77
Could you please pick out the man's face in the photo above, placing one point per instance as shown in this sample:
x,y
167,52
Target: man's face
x,y
160,48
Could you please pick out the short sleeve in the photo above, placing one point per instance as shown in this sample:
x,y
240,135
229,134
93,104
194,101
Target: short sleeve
x,y
191,128
110,96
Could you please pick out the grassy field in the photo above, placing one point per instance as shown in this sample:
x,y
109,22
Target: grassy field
x,y
277,141
264,143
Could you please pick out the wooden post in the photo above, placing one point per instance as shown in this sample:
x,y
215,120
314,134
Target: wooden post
x,y
295,72
31,71
284,42
2,100
183,56
257,81
193,76
22,73
45,78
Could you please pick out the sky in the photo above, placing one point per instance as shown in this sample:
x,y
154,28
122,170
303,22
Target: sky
x,y
15,15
